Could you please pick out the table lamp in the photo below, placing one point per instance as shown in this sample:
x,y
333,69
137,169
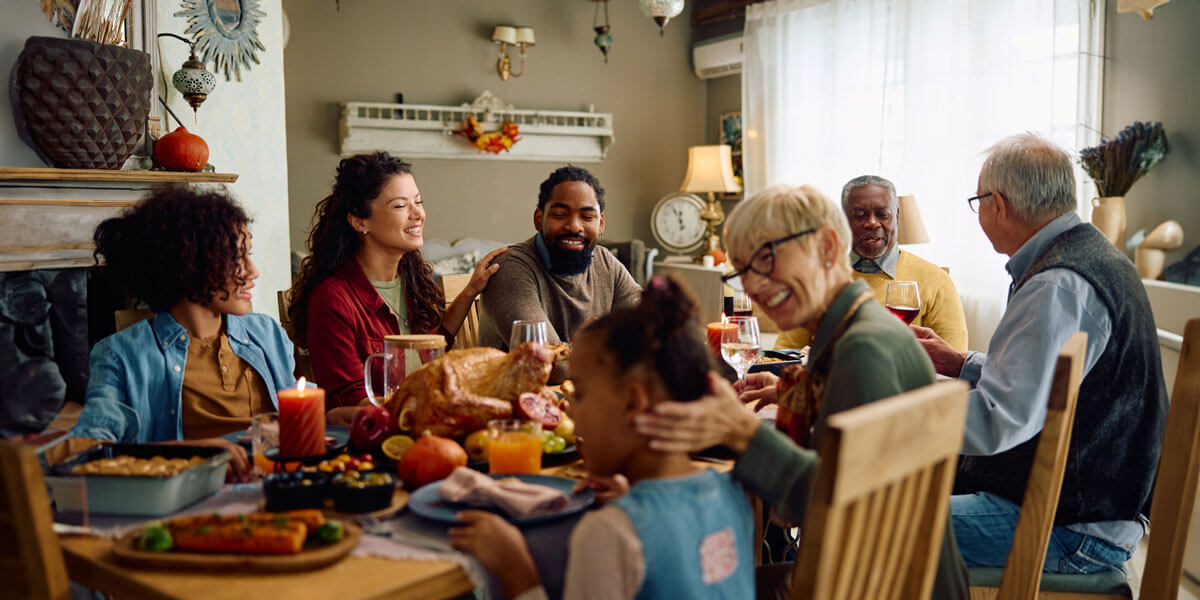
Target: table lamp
x,y
710,170
911,227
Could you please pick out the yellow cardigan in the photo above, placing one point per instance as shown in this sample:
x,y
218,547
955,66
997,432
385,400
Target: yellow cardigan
x,y
941,310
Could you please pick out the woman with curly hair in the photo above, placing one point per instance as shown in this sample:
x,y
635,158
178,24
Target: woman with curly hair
x,y
203,364
365,277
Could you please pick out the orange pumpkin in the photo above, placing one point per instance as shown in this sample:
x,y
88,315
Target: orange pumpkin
x,y
181,150
432,458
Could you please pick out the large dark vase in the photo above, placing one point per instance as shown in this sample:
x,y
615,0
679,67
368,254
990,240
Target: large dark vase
x,y
80,104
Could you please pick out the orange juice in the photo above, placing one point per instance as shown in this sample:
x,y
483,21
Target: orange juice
x,y
515,452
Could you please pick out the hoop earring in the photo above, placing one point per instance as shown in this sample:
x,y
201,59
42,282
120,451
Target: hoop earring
x,y
828,264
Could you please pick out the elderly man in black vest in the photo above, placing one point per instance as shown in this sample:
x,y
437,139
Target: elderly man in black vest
x,y
1066,277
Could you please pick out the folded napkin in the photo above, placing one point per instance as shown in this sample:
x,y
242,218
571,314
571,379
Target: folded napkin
x,y
511,495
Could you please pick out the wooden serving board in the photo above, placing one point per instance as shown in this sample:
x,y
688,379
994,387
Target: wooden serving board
x,y
311,557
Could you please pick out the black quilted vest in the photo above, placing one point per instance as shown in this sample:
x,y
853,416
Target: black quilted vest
x,y
1122,404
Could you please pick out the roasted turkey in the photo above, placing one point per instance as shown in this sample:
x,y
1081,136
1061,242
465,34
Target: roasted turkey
x,y
460,392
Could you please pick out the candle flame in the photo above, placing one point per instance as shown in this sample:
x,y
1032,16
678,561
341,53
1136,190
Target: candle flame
x,y
301,385
724,319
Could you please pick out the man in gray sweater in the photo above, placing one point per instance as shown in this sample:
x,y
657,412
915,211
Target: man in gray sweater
x,y
559,275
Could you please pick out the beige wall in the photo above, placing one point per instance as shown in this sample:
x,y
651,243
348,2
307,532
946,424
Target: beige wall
x,y
441,53
1151,76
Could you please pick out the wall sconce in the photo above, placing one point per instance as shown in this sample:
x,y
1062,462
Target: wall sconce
x,y
192,80
507,35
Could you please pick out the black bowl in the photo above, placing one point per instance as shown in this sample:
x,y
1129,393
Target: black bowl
x,y
362,499
291,491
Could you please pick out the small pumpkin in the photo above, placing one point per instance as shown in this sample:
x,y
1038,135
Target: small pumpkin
x,y
431,459
181,150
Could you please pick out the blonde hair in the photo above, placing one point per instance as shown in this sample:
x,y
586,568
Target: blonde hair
x,y
782,210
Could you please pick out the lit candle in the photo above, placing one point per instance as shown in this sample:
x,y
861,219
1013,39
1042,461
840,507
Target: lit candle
x,y
301,421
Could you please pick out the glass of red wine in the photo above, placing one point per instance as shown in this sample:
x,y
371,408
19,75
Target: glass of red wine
x,y
903,300
742,307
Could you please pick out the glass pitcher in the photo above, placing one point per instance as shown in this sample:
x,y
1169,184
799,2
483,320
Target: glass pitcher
x,y
402,354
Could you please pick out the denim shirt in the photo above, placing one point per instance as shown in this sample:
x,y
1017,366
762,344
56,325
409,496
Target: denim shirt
x,y
136,383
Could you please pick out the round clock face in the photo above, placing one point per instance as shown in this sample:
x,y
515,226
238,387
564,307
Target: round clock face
x,y
676,222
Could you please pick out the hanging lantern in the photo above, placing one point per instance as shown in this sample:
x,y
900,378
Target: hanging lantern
x,y
661,11
194,81
604,39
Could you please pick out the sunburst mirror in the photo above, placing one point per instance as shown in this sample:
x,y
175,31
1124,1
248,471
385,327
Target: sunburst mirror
x,y
226,33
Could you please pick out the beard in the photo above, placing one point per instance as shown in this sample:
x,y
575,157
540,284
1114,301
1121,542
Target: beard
x,y
570,262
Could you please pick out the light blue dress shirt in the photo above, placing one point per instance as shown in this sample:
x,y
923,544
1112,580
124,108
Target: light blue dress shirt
x,y
885,264
1010,384
135,387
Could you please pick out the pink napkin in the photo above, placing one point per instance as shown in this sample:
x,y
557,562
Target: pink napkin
x,y
513,496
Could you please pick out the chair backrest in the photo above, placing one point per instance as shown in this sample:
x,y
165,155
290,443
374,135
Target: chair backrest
x,y
303,363
468,332
31,562
130,316
1178,475
878,511
1023,571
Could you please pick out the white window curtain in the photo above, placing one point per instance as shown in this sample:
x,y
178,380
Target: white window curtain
x,y
915,91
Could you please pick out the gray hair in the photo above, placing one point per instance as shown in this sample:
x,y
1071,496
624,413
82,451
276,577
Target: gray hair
x,y
863,181
1034,174
781,210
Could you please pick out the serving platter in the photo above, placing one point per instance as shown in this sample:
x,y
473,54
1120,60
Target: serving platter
x,y
311,557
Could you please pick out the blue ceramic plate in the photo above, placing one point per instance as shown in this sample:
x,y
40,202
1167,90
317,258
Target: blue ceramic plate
x,y
339,434
425,502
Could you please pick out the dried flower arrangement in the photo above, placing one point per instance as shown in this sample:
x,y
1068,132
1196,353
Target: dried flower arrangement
x,y
1117,163
100,21
493,142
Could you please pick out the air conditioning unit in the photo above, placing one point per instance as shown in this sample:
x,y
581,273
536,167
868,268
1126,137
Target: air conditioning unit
x,y
718,57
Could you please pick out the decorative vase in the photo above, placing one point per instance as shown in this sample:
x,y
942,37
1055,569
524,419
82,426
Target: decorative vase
x,y
1108,215
80,104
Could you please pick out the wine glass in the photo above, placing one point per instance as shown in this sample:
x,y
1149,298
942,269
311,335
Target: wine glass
x,y
740,344
742,307
527,331
903,300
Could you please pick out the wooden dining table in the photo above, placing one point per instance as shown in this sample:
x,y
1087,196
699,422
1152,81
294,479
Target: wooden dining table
x,y
91,563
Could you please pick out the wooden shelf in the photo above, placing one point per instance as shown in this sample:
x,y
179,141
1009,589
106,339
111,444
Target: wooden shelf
x,y
41,174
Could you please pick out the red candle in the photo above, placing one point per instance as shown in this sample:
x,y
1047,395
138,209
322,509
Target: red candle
x,y
301,422
715,331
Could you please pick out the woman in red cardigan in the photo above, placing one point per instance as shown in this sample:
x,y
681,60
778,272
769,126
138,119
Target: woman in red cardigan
x,y
365,277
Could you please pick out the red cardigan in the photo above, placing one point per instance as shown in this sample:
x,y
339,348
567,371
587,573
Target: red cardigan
x,y
347,320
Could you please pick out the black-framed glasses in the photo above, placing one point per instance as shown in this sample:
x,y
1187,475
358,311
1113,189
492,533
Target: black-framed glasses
x,y
763,259
973,202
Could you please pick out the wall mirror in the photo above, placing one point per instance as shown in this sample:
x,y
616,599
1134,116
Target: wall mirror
x,y
226,33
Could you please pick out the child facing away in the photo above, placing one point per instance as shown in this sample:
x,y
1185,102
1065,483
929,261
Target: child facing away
x,y
679,531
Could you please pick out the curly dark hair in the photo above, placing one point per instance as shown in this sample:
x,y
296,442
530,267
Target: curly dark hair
x,y
661,332
569,173
332,242
177,244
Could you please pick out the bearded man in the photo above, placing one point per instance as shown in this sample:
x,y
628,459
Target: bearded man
x,y
559,275
872,209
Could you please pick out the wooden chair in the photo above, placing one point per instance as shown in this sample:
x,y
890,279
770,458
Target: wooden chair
x,y
468,333
1023,571
31,562
878,512
303,363
1174,498
126,317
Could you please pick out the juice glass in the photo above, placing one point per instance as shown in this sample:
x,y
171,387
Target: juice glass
x,y
514,447
264,435
301,422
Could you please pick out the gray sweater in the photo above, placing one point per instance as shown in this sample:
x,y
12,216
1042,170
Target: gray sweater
x,y
524,290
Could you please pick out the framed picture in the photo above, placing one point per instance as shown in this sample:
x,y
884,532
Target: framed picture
x,y
730,129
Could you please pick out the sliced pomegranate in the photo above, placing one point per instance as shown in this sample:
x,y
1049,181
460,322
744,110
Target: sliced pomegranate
x,y
535,407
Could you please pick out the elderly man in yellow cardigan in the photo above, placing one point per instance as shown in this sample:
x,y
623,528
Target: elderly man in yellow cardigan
x,y
871,207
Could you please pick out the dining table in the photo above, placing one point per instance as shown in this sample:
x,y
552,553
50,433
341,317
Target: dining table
x,y
439,573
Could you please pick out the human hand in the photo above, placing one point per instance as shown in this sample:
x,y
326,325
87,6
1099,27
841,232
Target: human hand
x,y
606,488
717,418
239,470
484,269
947,360
757,387
499,547
342,416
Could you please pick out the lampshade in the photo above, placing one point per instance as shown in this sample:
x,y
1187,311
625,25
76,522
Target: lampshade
x,y
710,169
525,35
911,227
506,34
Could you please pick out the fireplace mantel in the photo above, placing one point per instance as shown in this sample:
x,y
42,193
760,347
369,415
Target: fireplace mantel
x,y
47,216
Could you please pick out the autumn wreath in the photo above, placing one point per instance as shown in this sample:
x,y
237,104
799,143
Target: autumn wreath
x,y
491,142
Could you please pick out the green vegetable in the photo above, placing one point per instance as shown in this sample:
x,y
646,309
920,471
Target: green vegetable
x,y
331,532
156,538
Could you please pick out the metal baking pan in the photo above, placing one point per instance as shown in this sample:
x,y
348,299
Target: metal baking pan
x,y
787,357
144,496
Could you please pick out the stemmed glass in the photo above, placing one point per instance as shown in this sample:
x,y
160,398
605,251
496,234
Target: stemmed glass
x,y
527,331
903,300
740,344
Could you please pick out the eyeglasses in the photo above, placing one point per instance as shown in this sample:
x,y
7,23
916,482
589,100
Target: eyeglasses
x,y
973,202
763,259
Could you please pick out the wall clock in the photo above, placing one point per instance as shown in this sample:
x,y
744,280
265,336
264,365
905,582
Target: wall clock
x,y
676,223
